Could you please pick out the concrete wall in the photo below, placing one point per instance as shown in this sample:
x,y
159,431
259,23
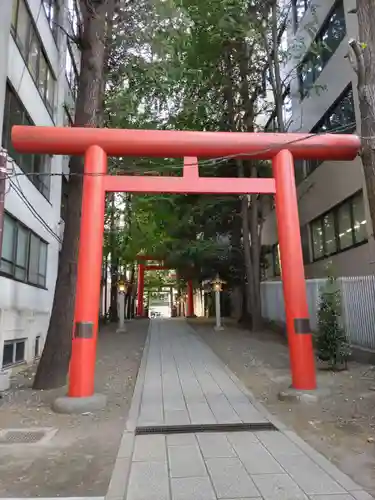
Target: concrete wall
x,y
331,182
25,309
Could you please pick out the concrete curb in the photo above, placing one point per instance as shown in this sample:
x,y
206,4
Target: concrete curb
x,y
121,471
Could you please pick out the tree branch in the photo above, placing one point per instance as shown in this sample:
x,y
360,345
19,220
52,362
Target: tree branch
x,y
359,68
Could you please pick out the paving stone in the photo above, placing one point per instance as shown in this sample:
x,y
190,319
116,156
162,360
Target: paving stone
x,y
331,497
181,440
222,409
200,413
278,487
186,461
150,449
126,445
192,488
255,457
311,478
236,438
177,417
278,444
215,445
148,481
230,478
362,495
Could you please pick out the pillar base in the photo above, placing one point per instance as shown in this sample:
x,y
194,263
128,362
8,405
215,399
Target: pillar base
x,y
218,328
121,329
292,395
78,406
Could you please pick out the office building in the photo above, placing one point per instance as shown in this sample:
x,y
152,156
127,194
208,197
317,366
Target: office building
x,y
38,70
333,207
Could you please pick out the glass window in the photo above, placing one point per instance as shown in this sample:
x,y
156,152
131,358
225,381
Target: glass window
x,y
360,232
34,260
14,14
344,220
42,264
15,114
8,239
317,239
31,47
276,260
24,254
8,354
324,46
20,351
334,32
37,347
42,76
51,8
330,245
33,59
23,27
50,96
305,244
299,9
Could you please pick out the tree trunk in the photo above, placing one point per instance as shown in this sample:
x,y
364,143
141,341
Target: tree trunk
x,y
364,51
54,362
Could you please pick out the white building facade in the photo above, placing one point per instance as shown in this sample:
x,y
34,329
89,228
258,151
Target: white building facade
x,y
37,87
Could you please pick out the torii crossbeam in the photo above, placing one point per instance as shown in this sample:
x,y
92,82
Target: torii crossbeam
x,y
97,144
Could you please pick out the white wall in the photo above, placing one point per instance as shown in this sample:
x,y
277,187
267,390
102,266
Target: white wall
x,y
25,309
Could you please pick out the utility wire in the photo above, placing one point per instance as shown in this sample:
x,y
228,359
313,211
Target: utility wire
x,y
213,162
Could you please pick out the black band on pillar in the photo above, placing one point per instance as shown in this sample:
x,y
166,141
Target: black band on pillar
x,y
84,330
302,326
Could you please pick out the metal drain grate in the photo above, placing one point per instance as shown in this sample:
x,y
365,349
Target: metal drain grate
x,y
197,428
23,436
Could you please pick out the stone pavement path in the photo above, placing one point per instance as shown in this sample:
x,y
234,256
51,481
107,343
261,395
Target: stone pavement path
x,y
181,382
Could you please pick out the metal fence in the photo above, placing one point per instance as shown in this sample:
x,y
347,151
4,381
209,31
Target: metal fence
x,y
358,306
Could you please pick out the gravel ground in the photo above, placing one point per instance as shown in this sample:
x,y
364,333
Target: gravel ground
x,y
340,425
79,459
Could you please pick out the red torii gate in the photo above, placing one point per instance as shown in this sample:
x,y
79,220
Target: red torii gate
x,y
97,144
142,267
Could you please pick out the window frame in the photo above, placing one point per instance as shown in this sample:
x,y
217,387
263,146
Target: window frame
x,y
14,343
13,100
25,54
312,165
13,263
310,55
73,75
55,20
334,211
296,21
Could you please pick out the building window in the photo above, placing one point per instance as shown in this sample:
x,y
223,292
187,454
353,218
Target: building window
x,y
24,254
71,71
341,228
30,45
305,243
14,352
340,118
324,46
299,7
38,166
51,8
37,347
